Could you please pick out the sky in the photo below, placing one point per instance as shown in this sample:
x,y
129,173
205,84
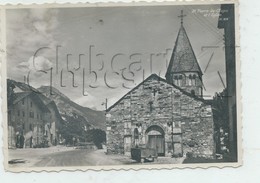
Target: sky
x,y
94,53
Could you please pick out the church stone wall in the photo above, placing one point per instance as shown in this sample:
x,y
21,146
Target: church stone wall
x,y
197,127
157,103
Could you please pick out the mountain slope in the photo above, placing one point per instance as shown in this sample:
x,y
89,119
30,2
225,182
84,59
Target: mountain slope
x,y
95,119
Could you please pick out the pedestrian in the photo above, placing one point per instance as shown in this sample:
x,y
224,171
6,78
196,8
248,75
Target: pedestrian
x,y
31,142
17,140
21,141
73,141
55,141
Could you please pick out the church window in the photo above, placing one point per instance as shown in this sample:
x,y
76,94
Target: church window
x,y
23,101
200,91
175,81
31,104
193,81
192,92
180,80
18,113
189,80
154,92
23,114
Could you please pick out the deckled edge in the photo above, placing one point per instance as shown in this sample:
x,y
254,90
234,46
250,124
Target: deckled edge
x,y
120,167
239,96
4,125
115,3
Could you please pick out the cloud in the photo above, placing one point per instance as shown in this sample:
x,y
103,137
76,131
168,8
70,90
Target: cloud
x,y
33,29
36,63
89,100
36,70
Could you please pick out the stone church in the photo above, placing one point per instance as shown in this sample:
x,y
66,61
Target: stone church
x,y
169,115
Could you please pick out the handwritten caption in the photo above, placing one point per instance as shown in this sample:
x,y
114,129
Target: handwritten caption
x,y
214,13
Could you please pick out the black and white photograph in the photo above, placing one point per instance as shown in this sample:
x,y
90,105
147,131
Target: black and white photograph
x,y
122,86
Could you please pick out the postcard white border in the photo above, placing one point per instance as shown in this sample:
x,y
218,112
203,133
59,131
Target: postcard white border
x,y
121,167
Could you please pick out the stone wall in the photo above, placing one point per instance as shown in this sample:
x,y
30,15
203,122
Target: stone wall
x,y
185,122
197,127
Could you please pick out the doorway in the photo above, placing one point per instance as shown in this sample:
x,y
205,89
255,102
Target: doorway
x,y
155,139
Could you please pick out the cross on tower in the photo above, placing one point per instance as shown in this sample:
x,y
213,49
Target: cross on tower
x,y
181,16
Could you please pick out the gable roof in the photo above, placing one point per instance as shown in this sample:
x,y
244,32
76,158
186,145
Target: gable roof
x,y
19,96
156,77
183,58
21,86
35,98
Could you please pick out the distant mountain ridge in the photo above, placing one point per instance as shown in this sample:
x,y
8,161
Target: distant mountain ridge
x,y
96,119
69,110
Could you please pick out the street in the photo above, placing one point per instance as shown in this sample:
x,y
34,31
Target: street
x,y
77,157
60,156
63,156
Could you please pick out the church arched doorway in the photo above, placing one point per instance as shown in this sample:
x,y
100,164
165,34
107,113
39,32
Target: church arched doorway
x,y
155,139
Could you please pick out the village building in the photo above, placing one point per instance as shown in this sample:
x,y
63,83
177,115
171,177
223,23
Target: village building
x,y
168,115
52,125
27,117
33,119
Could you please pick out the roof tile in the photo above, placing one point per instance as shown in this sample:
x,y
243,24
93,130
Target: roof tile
x,y
183,58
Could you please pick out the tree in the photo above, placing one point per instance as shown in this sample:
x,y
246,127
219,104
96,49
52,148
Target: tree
x,y
220,116
96,136
73,127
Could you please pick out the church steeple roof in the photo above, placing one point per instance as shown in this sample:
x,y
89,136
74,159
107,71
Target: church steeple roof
x,y
183,58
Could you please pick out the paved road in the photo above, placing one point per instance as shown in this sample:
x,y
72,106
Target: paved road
x,y
78,157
